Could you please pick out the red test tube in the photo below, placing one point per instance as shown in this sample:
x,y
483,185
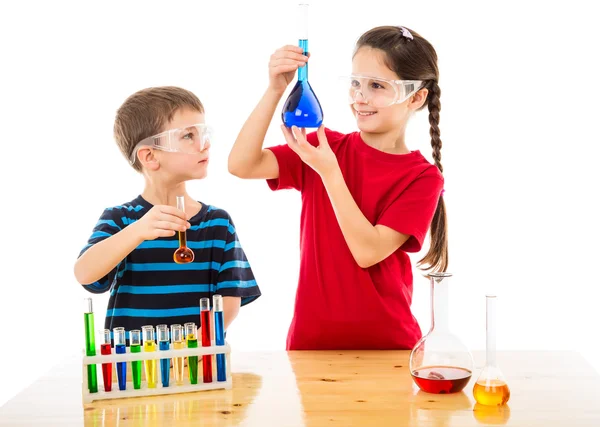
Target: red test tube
x,y
206,342
105,348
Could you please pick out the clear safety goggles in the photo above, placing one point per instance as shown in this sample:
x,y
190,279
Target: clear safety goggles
x,y
190,139
376,92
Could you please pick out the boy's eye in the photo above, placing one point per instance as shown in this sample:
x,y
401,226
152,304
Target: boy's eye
x,y
188,135
355,84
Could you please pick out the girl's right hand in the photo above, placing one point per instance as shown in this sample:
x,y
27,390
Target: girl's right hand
x,y
283,65
161,221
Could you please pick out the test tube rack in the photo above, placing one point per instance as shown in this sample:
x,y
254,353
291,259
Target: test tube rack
x,y
173,388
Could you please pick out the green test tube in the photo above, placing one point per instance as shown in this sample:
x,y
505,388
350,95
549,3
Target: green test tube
x,y
135,346
90,343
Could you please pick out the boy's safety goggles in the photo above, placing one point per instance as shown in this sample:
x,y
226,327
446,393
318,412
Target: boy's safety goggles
x,y
190,139
377,92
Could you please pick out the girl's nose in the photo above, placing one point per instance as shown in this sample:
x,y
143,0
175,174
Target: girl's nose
x,y
359,98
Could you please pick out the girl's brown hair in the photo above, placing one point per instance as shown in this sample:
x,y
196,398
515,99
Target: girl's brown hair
x,y
412,57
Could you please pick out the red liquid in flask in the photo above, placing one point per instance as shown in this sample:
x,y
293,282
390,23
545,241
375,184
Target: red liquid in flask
x,y
206,342
441,379
183,254
106,368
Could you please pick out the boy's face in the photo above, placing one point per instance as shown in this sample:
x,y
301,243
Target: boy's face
x,y
184,166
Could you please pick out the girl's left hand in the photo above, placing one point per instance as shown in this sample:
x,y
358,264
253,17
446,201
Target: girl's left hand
x,y
322,159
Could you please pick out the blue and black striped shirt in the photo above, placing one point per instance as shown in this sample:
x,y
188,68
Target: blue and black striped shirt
x,y
149,288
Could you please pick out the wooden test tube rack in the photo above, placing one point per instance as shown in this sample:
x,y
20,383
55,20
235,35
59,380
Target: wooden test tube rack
x,y
173,388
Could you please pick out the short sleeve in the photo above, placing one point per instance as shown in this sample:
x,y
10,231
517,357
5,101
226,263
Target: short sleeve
x,y
290,169
108,225
235,278
412,212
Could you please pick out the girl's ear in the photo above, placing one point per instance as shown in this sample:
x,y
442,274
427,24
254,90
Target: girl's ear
x,y
148,159
418,99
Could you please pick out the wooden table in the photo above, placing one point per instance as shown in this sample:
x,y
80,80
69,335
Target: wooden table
x,y
340,388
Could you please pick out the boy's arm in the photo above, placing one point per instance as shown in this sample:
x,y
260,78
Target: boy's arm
x,y
231,308
107,249
103,256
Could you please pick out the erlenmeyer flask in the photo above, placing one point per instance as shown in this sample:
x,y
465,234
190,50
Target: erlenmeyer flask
x,y
302,108
491,388
440,362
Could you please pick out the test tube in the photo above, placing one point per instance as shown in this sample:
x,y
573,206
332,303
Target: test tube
x,y
206,342
178,344
135,346
120,348
149,346
183,254
105,349
191,336
219,336
90,344
162,335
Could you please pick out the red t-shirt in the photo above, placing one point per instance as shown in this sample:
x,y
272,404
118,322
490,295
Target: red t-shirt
x,y
340,305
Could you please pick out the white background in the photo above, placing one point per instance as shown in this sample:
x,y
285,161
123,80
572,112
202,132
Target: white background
x,y
519,126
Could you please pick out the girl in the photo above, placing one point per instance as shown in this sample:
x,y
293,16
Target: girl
x,y
367,199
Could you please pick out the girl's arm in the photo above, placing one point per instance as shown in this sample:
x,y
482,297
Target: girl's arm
x,y
368,244
247,158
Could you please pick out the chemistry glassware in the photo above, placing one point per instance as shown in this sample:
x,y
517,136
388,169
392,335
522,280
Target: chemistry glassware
x,y
120,348
178,341
302,108
205,327
219,336
106,349
440,362
491,387
149,346
162,336
191,336
135,346
90,343
183,254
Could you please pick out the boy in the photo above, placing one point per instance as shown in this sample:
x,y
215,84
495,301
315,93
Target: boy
x,y
161,132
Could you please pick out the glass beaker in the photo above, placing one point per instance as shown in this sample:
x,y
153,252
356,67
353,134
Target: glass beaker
x,y
302,108
491,388
440,362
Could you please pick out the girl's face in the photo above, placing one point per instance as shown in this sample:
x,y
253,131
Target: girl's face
x,y
371,62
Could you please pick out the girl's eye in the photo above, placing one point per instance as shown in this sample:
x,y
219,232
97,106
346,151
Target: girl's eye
x,y
355,83
188,136
376,86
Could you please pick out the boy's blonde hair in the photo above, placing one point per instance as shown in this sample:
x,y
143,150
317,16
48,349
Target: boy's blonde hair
x,y
146,112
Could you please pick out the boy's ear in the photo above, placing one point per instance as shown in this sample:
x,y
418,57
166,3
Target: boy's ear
x,y
418,99
148,159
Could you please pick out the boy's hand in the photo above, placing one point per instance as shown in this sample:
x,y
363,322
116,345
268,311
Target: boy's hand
x,y
283,65
161,221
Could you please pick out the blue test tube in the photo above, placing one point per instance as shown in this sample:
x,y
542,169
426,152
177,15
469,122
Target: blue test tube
x,y
219,336
120,348
163,344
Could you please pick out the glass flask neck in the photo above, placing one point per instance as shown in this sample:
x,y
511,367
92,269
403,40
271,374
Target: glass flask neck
x,y
490,330
303,71
440,301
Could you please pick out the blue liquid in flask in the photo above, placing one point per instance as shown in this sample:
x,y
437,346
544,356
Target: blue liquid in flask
x,y
302,108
